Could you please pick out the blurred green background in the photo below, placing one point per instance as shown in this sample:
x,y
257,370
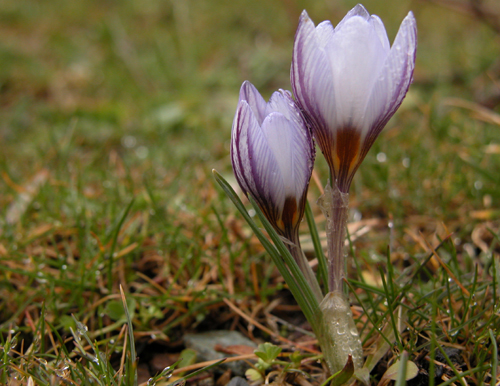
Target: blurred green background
x,y
157,82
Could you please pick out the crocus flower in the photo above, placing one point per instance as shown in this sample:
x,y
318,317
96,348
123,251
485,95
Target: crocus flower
x,y
349,82
272,154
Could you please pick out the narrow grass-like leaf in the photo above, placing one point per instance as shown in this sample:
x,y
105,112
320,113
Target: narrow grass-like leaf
x,y
382,348
459,376
133,358
401,380
462,375
494,362
280,255
390,298
318,249
289,260
113,245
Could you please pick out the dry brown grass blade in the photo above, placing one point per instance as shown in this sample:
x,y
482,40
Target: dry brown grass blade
x,y
479,112
448,270
197,366
25,196
317,181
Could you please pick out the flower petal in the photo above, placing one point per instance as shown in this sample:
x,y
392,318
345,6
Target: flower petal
x,y
358,10
324,33
356,57
244,122
395,78
291,146
379,29
266,170
249,93
311,74
282,102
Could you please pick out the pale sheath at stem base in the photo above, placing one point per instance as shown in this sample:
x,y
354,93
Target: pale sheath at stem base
x,y
339,335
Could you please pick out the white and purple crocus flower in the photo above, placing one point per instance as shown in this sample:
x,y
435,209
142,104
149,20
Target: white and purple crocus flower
x,y
272,153
349,82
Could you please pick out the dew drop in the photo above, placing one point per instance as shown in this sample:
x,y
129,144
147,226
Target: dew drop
x,y
128,141
381,157
142,152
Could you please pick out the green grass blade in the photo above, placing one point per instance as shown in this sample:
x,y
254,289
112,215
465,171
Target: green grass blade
x,y
133,357
494,361
113,245
318,249
401,380
280,255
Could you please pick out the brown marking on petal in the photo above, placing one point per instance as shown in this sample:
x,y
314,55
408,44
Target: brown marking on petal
x,y
347,146
272,216
290,213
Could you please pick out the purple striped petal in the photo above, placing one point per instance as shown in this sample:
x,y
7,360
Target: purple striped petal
x,y
244,121
272,159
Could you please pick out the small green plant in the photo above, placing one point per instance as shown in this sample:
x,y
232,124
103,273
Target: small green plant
x,y
268,355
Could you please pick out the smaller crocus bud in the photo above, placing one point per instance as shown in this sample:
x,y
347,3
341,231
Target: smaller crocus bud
x,y
272,154
349,82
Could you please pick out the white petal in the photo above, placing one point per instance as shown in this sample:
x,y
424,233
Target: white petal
x,y
311,74
265,168
278,103
356,55
324,33
292,151
358,10
395,78
282,102
379,28
249,93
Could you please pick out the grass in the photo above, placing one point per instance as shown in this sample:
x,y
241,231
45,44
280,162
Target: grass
x,y
113,116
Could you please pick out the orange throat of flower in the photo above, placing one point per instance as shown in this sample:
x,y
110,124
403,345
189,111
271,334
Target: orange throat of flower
x,y
289,217
346,153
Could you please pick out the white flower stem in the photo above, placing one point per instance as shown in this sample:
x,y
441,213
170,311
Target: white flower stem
x,y
335,207
339,335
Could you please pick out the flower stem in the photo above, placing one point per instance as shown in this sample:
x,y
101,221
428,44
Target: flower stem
x,y
335,207
339,336
298,255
